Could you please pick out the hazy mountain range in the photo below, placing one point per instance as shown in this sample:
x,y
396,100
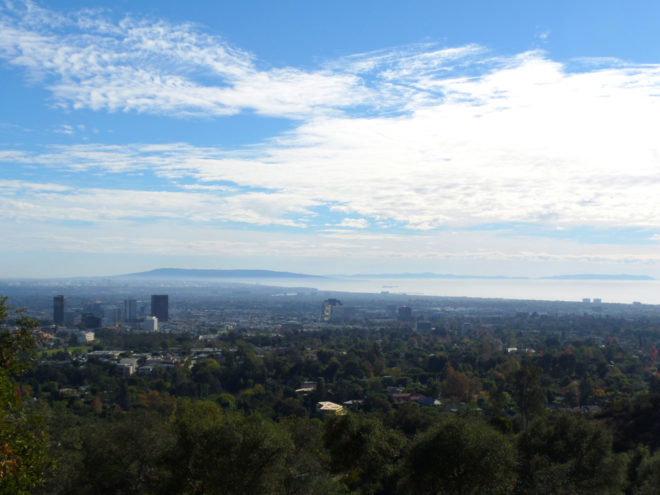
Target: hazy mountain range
x,y
209,273
201,273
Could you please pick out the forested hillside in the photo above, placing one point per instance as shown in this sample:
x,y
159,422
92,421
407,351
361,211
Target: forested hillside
x,y
523,404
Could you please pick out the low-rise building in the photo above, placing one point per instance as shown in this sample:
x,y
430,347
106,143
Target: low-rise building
x,y
150,324
128,365
327,407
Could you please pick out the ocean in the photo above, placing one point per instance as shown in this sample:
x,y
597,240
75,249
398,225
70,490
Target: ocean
x,y
610,291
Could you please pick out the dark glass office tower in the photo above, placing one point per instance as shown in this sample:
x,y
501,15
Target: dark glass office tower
x,y
160,307
58,310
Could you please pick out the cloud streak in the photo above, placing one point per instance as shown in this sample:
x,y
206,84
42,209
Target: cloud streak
x,y
27,202
137,65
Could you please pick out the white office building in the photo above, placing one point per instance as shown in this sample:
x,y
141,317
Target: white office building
x,y
150,324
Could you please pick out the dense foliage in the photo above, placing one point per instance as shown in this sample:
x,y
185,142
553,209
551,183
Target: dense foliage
x,y
525,404
23,442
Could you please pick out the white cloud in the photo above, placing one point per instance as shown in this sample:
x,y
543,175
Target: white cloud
x,y
88,61
524,142
15,186
28,202
354,223
65,129
543,35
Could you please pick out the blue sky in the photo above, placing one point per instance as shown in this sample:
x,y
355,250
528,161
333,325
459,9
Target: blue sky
x,y
472,137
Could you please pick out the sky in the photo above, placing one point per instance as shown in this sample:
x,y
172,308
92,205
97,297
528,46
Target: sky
x,y
466,137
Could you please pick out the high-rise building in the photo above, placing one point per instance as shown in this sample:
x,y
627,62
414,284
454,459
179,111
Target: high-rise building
x,y
405,313
130,310
112,317
331,309
58,310
160,307
90,320
95,308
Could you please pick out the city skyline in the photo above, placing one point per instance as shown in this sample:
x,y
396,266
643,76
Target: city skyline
x,y
454,137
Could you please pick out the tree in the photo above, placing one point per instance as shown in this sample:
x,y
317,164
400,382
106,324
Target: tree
x,y
23,443
362,451
649,476
456,385
654,386
527,391
460,456
121,454
410,418
305,464
568,453
218,452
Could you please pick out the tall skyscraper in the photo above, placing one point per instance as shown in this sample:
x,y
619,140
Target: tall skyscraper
x,y
160,307
58,310
113,317
331,309
130,310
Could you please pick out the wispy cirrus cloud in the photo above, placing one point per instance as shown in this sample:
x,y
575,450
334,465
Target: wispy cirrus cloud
x,y
14,186
527,143
147,66
25,201
354,223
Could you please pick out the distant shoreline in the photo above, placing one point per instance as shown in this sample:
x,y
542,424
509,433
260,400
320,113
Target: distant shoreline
x,y
245,274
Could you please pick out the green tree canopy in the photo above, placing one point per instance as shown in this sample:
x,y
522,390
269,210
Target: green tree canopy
x,y
568,453
362,450
460,456
23,442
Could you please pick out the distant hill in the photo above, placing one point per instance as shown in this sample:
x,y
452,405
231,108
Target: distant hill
x,y
252,274
194,273
429,275
587,276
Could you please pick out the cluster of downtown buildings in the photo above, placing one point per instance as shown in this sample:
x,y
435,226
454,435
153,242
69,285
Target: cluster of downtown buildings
x,y
128,314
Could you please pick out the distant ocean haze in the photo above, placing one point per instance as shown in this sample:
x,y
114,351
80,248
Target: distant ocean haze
x,y
621,288
609,291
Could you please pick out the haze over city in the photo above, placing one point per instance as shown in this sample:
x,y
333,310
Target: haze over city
x,y
473,138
